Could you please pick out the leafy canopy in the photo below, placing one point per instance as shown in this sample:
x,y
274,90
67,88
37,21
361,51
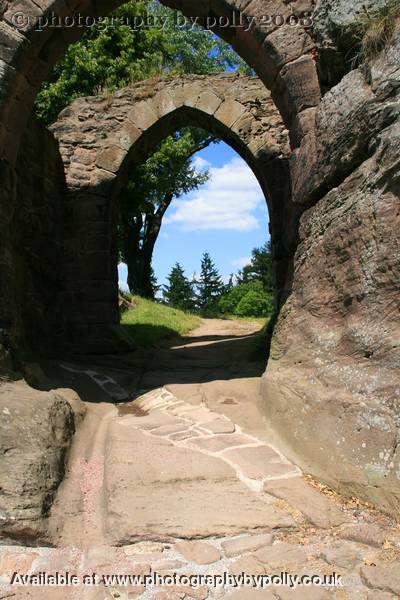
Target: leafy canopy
x,y
168,171
113,55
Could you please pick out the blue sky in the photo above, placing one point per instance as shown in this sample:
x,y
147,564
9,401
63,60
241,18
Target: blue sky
x,y
227,216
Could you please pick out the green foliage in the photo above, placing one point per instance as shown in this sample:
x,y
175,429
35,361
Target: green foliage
x,y
229,301
260,268
179,293
209,287
113,55
376,29
168,171
247,300
149,322
255,304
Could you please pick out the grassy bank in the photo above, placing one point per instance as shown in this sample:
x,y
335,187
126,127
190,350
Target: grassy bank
x,y
148,322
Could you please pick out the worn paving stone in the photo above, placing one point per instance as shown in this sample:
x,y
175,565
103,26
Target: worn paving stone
x,y
167,565
144,558
199,415
385,577
247,543
341,555
220,426
364,533
259,462
202,553
247,564
281,556
184,435
98,556
222,442
195,508
318,509
169,429
155,419
168,596
146,459
198,593
144,548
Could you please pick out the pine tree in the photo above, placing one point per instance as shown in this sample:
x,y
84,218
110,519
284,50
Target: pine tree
x,y
260,268
179,293
209,286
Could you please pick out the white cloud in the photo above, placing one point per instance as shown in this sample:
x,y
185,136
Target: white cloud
x,y
239,263
201,163
226,201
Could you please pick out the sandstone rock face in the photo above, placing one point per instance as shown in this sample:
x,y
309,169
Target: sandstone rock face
x,y
331,389
35,433
335,24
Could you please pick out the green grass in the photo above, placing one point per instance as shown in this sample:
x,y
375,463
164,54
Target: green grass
x,y
150,322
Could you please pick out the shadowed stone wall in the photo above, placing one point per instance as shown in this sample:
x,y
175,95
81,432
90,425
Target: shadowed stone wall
x,y
38,239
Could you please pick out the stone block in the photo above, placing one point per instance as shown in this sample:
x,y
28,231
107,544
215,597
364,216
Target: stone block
x,y
208,102
142,115
111,158
245,544
229,112
201,553
319,510
297,88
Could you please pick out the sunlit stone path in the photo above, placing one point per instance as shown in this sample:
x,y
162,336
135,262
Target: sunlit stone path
x,y
184,481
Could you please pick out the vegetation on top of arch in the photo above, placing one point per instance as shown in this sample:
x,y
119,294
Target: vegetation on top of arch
x,y
116,52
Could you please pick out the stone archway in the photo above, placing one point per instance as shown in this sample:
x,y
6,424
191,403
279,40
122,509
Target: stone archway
x,y
277,45
281,54
100,138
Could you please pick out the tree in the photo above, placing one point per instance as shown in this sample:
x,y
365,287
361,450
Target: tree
x,y
179,293
247,300
167,173
209,286
118,52
260,268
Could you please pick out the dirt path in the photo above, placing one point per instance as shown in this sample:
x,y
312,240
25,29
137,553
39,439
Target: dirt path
x,y
183,480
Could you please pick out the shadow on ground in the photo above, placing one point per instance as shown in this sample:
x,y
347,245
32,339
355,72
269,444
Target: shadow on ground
x,y
232,353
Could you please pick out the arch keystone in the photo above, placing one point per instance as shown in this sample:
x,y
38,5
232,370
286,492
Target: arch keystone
x,y
229,112
191,94
208,102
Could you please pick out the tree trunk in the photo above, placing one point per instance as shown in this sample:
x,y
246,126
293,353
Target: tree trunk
x,y
138,256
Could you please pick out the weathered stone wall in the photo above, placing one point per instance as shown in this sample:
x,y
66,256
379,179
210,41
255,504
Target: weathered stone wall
x,y
32,204
101,137
37,232
332,386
